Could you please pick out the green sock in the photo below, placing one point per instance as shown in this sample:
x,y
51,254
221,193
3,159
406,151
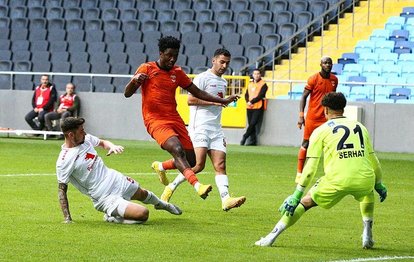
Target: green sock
x,y
291,220
367,207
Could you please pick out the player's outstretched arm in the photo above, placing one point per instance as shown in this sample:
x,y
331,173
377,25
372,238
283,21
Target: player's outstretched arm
x,y
134,84
112,148
64,203
380,188
203,95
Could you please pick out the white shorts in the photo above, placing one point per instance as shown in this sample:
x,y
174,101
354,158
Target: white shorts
x,y
121,192
212,140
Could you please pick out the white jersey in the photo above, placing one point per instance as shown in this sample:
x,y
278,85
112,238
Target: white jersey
x,y
82,167
207,117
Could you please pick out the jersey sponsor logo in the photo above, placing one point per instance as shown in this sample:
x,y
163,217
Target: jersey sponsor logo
x,y
333,83
132,181
173,78
351,154
202,139
220,94
89,156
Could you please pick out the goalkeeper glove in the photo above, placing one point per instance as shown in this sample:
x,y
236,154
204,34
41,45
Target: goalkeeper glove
x,y
291,202
381,190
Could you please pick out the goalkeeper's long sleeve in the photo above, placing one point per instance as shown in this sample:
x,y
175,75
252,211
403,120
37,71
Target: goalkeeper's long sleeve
x,y
309,171
377,168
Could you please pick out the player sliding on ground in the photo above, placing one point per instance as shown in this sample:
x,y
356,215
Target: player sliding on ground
x,y
109,190
206,133
159,81
350,165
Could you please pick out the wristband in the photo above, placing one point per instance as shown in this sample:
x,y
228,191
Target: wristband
x,y
301,114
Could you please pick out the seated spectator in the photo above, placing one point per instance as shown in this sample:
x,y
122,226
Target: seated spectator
x,y
68,105
43,100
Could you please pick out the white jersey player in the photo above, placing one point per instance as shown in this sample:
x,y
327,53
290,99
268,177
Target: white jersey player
x,y
206,132
110,191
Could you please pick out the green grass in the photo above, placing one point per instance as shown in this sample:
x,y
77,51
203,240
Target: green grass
x,y
31,228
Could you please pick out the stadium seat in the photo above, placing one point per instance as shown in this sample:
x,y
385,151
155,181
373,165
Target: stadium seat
x,y
110,14
56,46
37,23
263,16
21,55
352,69
181,60
303,19
113,36
147,14
91,13
400,93
286,31
38,55
58,56
395,23
21,34
131,27
96,47
73,13
364,46
163,5
115,47
185,15
239,5
368,58
188,26
166,15
230,39
277,6
247,28
125,4
219,5
237,63
379,35
267,28
94,36
39,45
191,38
371,70
223,15
5,44
75,35
145,4
5,55
4,11
197,60
22,82
407,57
391,71
74,24
18,12
207,26
384,46
56,24
56,35
250,39
283,17
409,25
107,88
201,5
20,45
337,69
193,49
182,4
228,27
399,35
128,14
396,81
344,89
359,93
19,23
93,24
53,3
71,3
296,6
253,52
112,25
408,70
258,5
358,80
388,59
204,15
318,8
211,38
41,66
89,4
36,12
199,69
169,26
210,49
236,50
107,4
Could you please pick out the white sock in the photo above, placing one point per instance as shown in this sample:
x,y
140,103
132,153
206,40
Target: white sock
x,y
197,186
160,167
121,220
151,199
222,182
277,230
177,181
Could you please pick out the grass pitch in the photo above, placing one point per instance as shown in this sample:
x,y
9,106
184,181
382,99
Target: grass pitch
x,y
31,228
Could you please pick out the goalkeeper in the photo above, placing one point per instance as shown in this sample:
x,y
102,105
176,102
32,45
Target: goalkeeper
x,y
350,165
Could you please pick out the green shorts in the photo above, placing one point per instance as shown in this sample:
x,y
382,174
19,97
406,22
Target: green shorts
x,y
326,196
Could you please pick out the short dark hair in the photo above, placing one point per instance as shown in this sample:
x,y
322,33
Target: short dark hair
x,y
71,123
168,42
334,100
222,51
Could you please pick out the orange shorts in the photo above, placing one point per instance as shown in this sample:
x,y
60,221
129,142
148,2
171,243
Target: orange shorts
x,y
310,125
162,130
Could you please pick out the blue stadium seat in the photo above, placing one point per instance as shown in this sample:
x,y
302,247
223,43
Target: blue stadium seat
x,y
344,89
75,35
296,6
388,59
223,15
147,14
193,49
128,14
207,26
73,13
183,4
169,26
250,39
258,5
36,12
106,4
400,93
263,16
372,70
253,52
125,4
379,35
201,5
89,4
247,28
18,12
131,27
364,46
110,14
278,5
197,60
94,36
71,3
19,23
239,5
185,15
56,46
352,69
163,4
166,15
318,8
145,4
236,50
395,23
267,28
237,63
283,17
219,5
368,58
53,3
91,13
188,26
21,34
337,69
407,12
391,71
191,38
74,24
228,27
59,56
21,55
244,16
204,15
212,38
399,35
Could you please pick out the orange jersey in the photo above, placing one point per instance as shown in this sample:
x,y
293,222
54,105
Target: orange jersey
x,y
318,87
158,92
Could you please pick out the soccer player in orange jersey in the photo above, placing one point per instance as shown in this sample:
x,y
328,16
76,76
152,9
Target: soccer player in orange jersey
x,y
318,85
158,81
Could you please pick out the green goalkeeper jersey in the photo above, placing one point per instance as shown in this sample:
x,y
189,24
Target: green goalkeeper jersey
x,y
346,147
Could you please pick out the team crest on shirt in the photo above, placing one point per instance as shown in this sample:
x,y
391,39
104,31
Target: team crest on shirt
x,y
173,78
333,83
89,156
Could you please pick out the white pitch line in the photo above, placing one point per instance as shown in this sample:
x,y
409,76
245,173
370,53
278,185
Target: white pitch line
x,y
375,259
127,174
